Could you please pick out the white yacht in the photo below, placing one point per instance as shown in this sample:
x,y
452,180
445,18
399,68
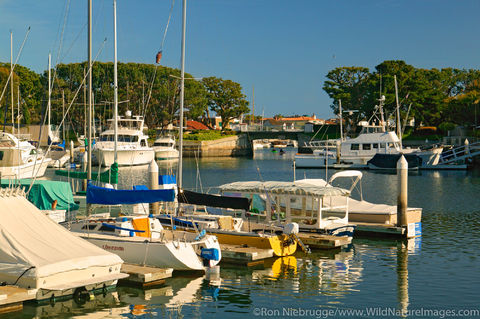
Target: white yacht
x,y
354,152
164,148
132,147
20,159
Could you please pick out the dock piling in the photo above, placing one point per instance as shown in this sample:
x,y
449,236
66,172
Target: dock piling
x,y
402,199
153,173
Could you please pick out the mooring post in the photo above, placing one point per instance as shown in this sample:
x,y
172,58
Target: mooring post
x,y
338,151
84,168
153,172
72,154
402,199
294,168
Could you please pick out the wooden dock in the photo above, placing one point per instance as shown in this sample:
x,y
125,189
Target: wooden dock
x,y
12,298
249,256
320,241
145,276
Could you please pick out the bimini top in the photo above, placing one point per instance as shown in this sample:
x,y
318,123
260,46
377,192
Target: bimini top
x,y
284,188
32,245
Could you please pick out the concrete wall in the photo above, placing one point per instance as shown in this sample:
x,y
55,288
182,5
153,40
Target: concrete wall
x,y
225,147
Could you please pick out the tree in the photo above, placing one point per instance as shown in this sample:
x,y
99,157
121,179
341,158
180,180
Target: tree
x,y
225,97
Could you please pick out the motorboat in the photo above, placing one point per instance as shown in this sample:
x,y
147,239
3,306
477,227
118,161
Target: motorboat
x,y
361,211
132,146
43,257
164,148
316,209
20,159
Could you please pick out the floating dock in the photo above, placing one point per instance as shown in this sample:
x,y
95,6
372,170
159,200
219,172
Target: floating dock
x,y
145,276
319,241
244,255
12,298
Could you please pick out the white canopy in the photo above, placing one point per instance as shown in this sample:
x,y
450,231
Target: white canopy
x,y
287,188
29,239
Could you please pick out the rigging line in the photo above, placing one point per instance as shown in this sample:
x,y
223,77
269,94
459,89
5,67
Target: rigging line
x,y
168,23
15,64
156,67
67,9
66,112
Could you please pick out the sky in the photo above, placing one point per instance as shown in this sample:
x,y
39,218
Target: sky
x,y
279,51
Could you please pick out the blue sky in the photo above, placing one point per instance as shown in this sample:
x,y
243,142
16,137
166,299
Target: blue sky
x,y
282,48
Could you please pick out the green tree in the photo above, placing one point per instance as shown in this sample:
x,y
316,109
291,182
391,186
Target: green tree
x,y
225,97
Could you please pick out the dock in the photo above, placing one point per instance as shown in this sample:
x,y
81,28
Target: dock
x,y
145,276
320,241
12,298
244,255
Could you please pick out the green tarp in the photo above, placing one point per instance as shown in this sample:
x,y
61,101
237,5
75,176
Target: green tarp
x,y
108,176
44,193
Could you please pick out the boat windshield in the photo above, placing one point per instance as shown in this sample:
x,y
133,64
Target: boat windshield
x,y
166,144
121,138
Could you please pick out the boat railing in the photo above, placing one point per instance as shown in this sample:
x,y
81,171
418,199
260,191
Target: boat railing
x,y
460,153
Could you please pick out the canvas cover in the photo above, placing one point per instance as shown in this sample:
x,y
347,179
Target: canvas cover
x,y
44,193
108,176
286,188
189,197
110,196
28,238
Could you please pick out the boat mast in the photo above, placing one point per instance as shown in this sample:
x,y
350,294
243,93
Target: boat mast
x,y
115,83
381,100
399,129
341,118
49,103
11,83
89,165
182,88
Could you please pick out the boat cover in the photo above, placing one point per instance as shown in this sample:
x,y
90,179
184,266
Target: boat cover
x,y
189,197
283,188
30,239
108,176
44,193
110,196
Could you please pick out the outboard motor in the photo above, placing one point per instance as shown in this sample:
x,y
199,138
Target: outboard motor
x,y
292,229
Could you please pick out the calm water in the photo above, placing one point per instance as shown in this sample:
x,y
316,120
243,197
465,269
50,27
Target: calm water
x,y
432,276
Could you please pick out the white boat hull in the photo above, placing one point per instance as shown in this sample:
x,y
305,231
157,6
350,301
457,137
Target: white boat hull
x,y
129,157
166,154
28,170
175,254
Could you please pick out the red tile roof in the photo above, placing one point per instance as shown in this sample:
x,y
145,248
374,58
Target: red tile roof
x,y
194,125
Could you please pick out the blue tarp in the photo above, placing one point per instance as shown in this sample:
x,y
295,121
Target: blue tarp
x,y
167,179
110,196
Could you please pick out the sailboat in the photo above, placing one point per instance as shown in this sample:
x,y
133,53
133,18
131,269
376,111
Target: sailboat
x,y
142,239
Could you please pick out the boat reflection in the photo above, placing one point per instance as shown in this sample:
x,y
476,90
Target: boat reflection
x,y
101,306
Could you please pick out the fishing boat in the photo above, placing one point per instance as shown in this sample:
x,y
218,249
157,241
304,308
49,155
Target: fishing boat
x,y
142,239
38,254
20,159
317,209
132,145
228,229
164,148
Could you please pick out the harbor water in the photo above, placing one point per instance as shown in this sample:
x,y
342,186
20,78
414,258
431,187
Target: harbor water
x,y
435,276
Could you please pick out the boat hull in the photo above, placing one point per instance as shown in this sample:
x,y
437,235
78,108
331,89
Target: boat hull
x,y
28,170
166,154
175,254
106,157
